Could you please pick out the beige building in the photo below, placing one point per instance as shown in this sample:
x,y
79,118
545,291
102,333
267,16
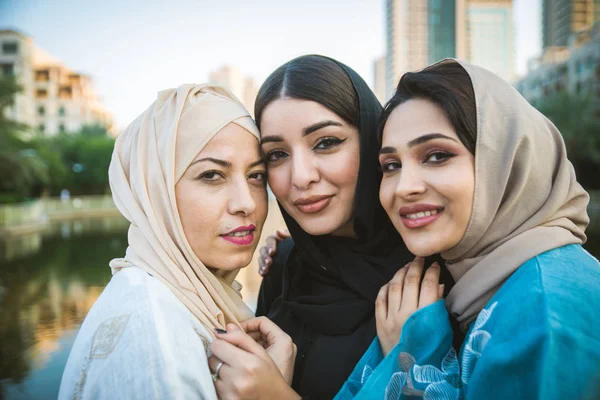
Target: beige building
x,y
379,80
54,98
244,87
406,37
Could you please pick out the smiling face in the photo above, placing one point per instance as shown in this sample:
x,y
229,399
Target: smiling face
x,y
222,199
313,159
428,178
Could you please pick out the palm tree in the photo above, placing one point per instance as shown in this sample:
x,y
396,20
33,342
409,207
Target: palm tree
x,y
20,166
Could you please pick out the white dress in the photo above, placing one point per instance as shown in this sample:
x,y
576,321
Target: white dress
x,y
138,342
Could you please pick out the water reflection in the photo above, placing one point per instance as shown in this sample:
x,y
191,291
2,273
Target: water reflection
x,y
46,295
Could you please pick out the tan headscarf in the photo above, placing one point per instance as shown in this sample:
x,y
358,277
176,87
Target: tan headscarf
x,y
527,199
148,160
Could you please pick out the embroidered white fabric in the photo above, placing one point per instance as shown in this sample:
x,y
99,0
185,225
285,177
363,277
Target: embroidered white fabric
x,y
138,342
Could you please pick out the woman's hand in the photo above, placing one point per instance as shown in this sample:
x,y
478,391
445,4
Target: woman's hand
x,y
250,369
269,249
402,296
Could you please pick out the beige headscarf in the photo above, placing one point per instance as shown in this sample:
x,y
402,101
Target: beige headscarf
x,y
148,160
527,199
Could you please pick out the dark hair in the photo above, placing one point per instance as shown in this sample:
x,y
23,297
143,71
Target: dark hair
x,y
315,78
449,86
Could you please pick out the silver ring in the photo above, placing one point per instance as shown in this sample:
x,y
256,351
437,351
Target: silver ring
x,y
215,376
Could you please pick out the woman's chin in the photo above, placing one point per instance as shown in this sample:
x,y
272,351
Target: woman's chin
x,y
424,249
232,263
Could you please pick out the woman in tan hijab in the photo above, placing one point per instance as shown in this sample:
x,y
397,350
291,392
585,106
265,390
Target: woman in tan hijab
x,y
189,176
473,172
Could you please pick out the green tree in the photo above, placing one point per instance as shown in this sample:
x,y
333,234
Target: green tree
x,y
77,161
577,119
21,168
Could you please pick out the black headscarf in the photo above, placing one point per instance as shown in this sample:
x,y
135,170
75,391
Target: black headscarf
x,y
336,280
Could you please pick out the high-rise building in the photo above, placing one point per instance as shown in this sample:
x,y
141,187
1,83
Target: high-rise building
x,y
562,18
243,87
490,36
379,79
53,98
421,32
406,37
441,30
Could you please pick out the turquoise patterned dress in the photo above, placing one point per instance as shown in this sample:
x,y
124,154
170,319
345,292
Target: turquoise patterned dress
x,y
537,338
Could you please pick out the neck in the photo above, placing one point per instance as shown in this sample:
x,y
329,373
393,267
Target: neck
x,y
227,276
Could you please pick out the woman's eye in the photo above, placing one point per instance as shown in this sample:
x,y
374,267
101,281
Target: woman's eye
x,y
328,143
390,166
438,157
211,176
260,177
275,155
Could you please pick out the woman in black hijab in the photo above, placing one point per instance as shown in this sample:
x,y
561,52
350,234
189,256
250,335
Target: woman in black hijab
x,y
322,286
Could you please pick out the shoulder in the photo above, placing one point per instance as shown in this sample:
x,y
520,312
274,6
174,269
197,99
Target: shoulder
x,y
139,324
550,295
542,320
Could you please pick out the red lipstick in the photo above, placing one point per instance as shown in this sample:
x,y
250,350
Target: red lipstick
x,y
241,236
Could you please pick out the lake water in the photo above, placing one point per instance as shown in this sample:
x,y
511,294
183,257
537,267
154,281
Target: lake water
x,y
49,281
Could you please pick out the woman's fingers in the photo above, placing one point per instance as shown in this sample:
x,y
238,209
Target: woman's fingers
x,y
283,234
227,352
395,290
271,244
381,305
240,339
269,331
430,286
213,363
412,281
441,291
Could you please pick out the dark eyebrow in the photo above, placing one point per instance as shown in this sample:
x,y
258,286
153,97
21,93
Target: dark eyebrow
x,y
319,125
306,131
257,162
428,137
269,139
387,150
222,163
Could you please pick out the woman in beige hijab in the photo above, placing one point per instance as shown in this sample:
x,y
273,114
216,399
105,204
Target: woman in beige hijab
x,y
189,176
473,172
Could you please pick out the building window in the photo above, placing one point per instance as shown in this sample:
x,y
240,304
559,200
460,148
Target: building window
x,y
61,128
41,94
41,110
7,69
66,92
42,128
42,75
10,47
61,111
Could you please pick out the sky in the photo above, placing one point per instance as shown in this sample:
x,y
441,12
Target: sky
x,y
134,48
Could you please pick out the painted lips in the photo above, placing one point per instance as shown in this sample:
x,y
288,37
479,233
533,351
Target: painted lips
x,y
314,204
420,215
242,236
